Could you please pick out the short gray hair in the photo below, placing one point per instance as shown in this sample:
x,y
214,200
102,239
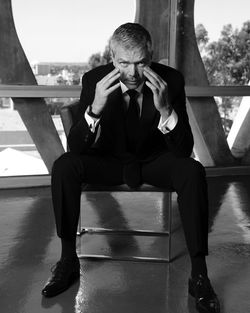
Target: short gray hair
x,y
131,35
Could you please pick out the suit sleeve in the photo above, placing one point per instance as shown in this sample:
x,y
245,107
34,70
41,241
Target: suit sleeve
x,y
180,139
80,137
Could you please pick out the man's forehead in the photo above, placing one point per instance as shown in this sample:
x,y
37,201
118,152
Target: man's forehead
x,y
132,52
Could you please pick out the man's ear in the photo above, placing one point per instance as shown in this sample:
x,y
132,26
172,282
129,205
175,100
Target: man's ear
x,y
151,56
112,57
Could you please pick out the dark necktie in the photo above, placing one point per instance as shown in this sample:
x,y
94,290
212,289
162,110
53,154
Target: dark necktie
x,y
132,120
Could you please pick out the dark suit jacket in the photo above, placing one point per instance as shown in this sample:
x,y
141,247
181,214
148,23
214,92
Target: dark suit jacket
x,y
112,141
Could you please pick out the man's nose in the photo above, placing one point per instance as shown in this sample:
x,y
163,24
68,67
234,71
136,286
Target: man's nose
x,y
132,70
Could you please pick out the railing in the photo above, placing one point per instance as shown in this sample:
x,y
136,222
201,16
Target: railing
x,y
39,91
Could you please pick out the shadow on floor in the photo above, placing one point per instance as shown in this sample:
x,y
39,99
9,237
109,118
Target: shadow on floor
x,y
29,247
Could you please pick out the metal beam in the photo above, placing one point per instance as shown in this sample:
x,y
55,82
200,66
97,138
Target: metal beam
x,y
205,110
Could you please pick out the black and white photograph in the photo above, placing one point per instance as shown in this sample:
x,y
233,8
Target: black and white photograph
x,y
124,156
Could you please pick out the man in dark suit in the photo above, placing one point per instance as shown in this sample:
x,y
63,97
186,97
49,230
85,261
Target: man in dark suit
x,y
132,128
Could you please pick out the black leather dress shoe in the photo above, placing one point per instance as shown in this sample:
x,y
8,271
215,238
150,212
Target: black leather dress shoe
x,y
64,274
205,297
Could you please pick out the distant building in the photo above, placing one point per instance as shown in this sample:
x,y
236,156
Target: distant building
x,y
42,68
46,80
59,73
6,103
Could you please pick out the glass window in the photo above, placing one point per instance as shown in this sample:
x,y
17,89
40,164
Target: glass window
x,y
228,108
62,40
223,36
18,153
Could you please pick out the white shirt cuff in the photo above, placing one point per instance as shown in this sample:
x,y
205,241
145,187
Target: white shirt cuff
x,y
169,124
93,123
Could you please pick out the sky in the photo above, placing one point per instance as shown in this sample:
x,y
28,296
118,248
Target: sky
x,y
72,30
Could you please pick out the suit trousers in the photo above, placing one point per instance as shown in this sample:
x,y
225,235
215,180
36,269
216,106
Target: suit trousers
x,y
185,175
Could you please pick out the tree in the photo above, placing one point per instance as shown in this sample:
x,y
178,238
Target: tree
x,y
227,62
241,70
106,56
97,59
201,36
94,60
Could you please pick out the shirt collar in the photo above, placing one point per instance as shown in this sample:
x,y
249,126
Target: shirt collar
x,y
124,88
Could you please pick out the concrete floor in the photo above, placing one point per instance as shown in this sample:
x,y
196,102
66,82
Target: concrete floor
x,y
29,248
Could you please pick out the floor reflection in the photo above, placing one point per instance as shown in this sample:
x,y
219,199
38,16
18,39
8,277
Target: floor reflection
x,y
26,248
29,247
240,205
230,213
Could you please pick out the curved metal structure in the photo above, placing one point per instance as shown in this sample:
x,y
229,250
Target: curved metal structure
x,y
171,23
15,69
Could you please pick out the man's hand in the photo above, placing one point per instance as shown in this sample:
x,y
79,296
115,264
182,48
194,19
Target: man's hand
x,y
103,90
160,92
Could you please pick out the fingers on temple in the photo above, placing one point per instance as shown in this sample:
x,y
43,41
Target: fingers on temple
x,y
154,78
